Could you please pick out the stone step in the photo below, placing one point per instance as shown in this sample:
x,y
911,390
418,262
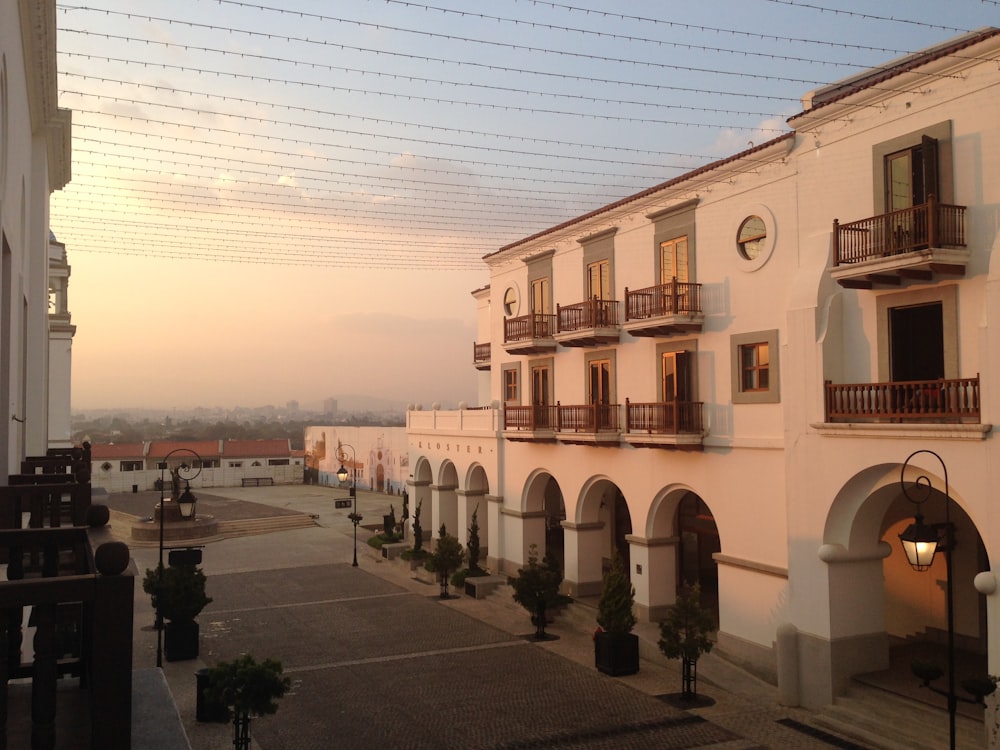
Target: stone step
x,y
885,721
249,526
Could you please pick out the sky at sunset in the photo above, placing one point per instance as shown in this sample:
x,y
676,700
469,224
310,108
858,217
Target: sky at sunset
x,y
292,200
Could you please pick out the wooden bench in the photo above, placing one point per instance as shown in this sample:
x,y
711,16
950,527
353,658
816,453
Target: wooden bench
x,y
257,481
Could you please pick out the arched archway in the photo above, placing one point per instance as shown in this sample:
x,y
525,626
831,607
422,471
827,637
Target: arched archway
x,y
444,501
882,613
542,515
601,525
678,548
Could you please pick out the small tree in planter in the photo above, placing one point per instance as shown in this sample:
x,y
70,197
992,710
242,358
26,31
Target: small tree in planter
x,y
446,558
178,596
685,635
247,688
616,647
473,545
536,588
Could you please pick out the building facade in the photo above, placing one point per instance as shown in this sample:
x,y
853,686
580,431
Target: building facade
x,y
34,161
127,467
721,379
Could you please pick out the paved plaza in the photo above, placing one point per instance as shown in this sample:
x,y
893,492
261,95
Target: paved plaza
x,y
377,660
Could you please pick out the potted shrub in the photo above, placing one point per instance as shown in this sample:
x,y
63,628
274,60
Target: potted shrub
x,y
616,647
685,634
446,558
247,688
178,596
536,588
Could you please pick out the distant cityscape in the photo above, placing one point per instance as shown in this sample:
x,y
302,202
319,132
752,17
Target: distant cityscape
x,y
127,425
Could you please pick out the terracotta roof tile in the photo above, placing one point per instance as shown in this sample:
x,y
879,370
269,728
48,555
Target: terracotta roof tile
x,y
257,448
204,448
104,451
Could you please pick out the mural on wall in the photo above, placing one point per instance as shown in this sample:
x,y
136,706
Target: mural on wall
x,y
376,456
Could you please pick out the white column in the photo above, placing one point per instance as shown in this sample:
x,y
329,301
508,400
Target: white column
x,y
654,575
584,572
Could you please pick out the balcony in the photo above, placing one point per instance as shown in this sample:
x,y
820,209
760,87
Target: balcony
x,y
674,424
530,334
911,401
589,424
664,310
594,322
910,244
481,356
535,423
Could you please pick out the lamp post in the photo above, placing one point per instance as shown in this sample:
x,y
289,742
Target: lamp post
x,y
342,476
185,504
920,543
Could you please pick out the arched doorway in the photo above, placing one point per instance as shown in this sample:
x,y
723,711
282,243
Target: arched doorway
x,y
883,613
698,543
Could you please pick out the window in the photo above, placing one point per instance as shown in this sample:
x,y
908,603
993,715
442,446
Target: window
x,y
906,169
754,358
277,462
510,378
510,302
541,297
599,280
676,376
674,260
130,466
235,464
911,175
754,366
750,238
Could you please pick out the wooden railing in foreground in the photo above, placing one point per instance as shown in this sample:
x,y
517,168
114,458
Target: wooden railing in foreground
x,y
910,400
53,572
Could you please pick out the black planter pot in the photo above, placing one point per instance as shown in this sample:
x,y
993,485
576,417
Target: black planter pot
x,y
616,654
180,640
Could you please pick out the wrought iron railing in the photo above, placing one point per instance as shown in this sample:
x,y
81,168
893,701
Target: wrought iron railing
x,y
534,417
665,418
930,224
672,298
954,400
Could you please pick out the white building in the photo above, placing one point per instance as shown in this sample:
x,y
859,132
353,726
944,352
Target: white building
x,y
139,466
722,377
61,331
34,161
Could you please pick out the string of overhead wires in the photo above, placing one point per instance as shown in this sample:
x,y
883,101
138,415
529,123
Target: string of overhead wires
x,y
410,135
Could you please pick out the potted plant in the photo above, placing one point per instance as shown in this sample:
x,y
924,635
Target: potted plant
x,y
616,647
685,634
247,688
178,596
536,588
446,558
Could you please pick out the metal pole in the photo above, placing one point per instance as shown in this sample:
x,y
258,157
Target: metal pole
x,y
354,491
159,580
949,595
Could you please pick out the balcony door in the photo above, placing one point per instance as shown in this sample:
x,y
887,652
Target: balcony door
x,y
916,342
541,297
540,389
599,280
600,389
911,175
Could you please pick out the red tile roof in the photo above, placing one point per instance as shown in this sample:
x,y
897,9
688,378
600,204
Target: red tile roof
x,y
204,448
116,451
257,448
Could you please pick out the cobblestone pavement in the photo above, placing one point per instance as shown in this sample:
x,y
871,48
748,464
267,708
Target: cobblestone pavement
x,y
377,660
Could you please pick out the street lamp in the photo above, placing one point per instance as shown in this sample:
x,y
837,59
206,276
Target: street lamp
x,y
185,505
342,476
920,543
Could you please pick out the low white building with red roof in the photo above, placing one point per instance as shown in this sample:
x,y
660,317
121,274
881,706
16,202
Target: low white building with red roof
x,y
134,467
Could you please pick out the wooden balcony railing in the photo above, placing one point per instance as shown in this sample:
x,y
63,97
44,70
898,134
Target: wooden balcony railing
x,y
665,418
527,327
531,418
82,621
480,353
928,225
672,298
589,418
592,313
910,401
